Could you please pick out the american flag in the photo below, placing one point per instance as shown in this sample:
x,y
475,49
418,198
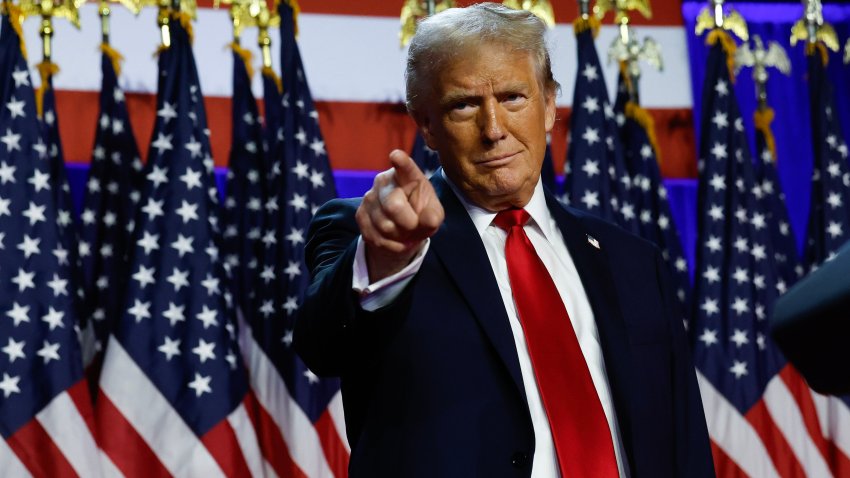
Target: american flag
x,y
652,207
109,206
246,196
829,210
173,392
597,180
45,407
773,199
761,417
300,413
426,158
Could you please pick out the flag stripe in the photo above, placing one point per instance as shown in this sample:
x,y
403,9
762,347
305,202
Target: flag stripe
x,y
39,454
774,441
246,434
725,466
733,434
788,419
335,450
125,447
67,428
835,424
275,448
335,408
298,433
224,447
10,463
138,400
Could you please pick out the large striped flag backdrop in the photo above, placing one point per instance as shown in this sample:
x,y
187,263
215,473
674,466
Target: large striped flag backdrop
x,y
45,408
173,392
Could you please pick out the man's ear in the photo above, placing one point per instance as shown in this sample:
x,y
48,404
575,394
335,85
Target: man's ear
x,y
423,122
550,111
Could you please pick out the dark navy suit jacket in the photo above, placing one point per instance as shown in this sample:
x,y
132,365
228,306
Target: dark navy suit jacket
x,y
431,383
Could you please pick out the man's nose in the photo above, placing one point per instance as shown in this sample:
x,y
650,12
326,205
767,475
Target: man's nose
x,y
492,121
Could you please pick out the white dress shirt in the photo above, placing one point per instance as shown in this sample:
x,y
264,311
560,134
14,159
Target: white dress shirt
x,y
550,246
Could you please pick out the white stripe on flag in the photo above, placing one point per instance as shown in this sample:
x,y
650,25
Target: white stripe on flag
x,y
337,414
839,425
70,433
733,433
374,64
10,464
242,427
788,418
297,429
150,414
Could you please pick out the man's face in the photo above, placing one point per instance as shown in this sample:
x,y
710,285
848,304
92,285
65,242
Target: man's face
x,y
488,116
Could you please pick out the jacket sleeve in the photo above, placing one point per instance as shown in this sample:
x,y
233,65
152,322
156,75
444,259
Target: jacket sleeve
x,y
333,333
693,449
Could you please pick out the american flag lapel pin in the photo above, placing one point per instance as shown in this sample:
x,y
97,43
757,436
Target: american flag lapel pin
x,y
593,242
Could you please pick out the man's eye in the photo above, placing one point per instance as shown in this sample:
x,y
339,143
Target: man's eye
x,y
513,97
459,106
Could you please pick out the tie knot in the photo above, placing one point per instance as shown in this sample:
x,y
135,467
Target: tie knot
x,y
511,217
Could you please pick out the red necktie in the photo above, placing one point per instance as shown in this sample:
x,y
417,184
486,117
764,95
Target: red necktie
x,y
579,427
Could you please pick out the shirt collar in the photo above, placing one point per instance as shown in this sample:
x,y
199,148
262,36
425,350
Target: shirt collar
x,y
482,218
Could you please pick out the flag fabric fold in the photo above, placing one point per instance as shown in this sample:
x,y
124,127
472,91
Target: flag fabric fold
x,y
173,394
45,409
762,418
596,177
109,205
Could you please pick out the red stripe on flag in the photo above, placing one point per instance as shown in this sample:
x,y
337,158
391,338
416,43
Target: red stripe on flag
x,y
837,461
272,444
780,452
81,397
224,447
725,466
332,446
123,444
38,453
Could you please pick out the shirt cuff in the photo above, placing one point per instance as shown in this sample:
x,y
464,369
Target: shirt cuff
x,y
385,291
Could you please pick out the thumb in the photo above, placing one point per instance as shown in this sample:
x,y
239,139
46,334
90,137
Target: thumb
x,y
406,170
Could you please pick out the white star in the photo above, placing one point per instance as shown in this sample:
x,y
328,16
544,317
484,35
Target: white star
x,y
311,377
591,135
24,280
162,143
740,305
201,384
212,252
204,350
7,173
191,178
39,180
117,126
681,264
211,284
167,112
29,246
318,147
301,170
591,104
590,72
758,221
591,168
140,310
170,348
741,275
144,276
741,244
179,279
61,255
834,229
183,244
718,182
9,385
194,147
118,95
19,313
292,270
298,201
720,120
708,337
713,244
301,136
291,305
153,209
53,318
148,242
59,286
295,236
590,199
158,176
758,252
49,352
14,350
317,179
4,207
710,306
207,316
174,313
21,77
711,274
187,211
834,200
739,369
716,212
12,141
267,309
231,359
722,88
64,218
88,216
16,108
719,151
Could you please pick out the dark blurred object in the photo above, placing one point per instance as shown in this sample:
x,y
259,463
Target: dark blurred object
x,y
811,324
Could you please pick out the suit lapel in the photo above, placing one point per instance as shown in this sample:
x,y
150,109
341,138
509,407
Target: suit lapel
x,y
458,246
599,284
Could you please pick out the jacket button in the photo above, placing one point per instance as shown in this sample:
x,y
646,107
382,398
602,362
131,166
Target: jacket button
x,y
519,459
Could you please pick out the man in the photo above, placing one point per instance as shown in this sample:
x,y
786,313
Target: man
x,y
480,328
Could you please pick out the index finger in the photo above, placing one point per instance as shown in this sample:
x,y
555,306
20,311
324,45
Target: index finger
x,y
406,170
